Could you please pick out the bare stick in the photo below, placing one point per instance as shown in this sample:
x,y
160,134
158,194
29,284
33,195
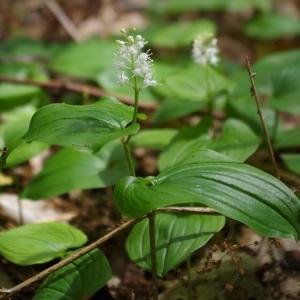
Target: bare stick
x,y
10,292
64,20
77,88
261,116
151,217
193,210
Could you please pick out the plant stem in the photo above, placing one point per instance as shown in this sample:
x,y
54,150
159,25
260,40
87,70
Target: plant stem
x,y
261,116
136,101
128,157
151,217
210,102
189,279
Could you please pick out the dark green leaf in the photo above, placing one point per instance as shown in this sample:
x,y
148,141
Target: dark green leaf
x,y
237,190
77,280
70,169
274,26
16,123
287,138
38,243
172,109
178,6
178,34
177,237
292,161
153,138
194,83
237,141
85,60
289,103
84,127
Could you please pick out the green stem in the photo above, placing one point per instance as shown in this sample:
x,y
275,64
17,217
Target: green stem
x,y
151,217
128,156
210,101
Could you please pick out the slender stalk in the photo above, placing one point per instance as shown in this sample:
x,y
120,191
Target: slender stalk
x,y
210,106
136,101
8,293
151,217
261,116
128,157
189,278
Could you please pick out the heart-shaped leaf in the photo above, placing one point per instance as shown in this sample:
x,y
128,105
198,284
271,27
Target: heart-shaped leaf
x,y
237,141
236,190
84,127
64,172
77,280
177,237
38,243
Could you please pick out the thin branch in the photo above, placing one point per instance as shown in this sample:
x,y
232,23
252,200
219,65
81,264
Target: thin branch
x,y
261,116
10,292
77,88
193,210
63,19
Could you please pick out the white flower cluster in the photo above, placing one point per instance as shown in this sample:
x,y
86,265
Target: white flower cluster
x,y
205,50
133,62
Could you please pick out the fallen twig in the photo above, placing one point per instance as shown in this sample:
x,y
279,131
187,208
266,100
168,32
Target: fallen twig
x,y
64,20
75,87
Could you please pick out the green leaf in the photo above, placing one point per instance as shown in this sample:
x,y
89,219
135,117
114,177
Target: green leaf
x,y
12,95
236,190
292,161
289,103
84,127
172,109
194,83
64,172
274,26
237,141
244,108
16,123
178,6
39,243
153,138
84,60
177,237
178,34
77,280
287,138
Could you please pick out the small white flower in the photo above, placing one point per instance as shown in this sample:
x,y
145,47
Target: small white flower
x,y
132,63
122,78
205,50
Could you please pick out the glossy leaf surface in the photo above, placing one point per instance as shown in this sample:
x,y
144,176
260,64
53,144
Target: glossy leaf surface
x,y
77,280
70,169
177,237
84,127
39,243
236,190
